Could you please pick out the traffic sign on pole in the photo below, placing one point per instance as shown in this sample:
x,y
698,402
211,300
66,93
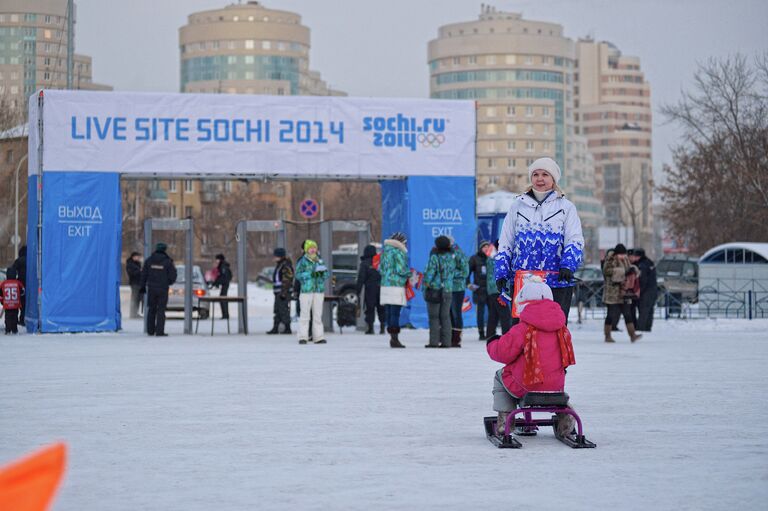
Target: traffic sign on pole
x,y
309,208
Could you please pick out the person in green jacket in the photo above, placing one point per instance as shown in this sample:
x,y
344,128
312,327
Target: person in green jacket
x,y
312,273
439,274
496,310
394,269
459,283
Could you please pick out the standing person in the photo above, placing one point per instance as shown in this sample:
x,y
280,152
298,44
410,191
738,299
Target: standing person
x,y
369,278
222,281
133,269
312,273
157,275
648,290
542,231
282,286
615,272
438,286
457,287
20,265
11,296
498,311
394,275
635,297
478,272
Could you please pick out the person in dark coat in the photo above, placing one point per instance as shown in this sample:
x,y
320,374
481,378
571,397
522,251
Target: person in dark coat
x,y
222,281
648,290
157,275
133,269
282,287
20,265
478,274
369,278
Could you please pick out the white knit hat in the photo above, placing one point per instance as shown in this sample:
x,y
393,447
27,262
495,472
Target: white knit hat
x,y
534,288
547,164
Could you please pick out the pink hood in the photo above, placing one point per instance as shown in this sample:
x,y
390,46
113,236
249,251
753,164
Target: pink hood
x,y
547,317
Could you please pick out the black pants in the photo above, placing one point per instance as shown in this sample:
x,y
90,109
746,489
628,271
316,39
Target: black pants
x,y
282,310
616,310
23,306
158,301
371,311
560,295
498,313
645,316
457,302
481,303
11,321
224,305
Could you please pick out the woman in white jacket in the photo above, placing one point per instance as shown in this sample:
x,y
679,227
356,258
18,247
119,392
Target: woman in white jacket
x,y
542,231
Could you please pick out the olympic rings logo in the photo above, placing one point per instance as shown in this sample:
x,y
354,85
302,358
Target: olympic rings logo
x,y
430,139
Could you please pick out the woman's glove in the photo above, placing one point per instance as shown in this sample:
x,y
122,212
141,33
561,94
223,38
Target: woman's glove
x,y
501,284
564,275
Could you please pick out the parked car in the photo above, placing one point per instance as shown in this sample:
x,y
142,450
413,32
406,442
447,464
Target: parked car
x,y
344,275
589,285
264,278
679,275
176,292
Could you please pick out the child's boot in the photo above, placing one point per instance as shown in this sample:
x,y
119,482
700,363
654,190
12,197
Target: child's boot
x,y
456,338
394,342
500,422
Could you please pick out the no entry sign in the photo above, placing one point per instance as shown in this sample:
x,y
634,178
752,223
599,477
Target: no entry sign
x,y
309,208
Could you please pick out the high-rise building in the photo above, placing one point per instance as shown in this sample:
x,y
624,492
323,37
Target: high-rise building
x,y
248,49
33,51
613,112
520,72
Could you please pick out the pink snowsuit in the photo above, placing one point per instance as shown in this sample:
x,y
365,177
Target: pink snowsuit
x,y
547,317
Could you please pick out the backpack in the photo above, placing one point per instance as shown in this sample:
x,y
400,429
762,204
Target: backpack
x,y
346,314
376,261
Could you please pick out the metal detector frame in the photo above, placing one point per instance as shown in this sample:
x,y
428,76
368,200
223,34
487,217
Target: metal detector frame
x,y
173,224
327,228
243,228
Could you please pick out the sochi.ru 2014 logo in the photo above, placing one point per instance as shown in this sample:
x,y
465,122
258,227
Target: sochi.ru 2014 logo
x,y
402,131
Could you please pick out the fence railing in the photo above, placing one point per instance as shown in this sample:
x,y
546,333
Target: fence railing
x,y
711,303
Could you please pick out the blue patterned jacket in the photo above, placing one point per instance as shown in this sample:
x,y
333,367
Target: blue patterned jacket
x,y
540,236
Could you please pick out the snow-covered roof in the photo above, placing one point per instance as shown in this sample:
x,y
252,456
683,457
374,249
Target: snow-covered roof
x,y
758,248
15,132
496,202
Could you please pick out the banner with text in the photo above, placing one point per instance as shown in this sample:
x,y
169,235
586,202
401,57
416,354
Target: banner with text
x,y
81,264
299,136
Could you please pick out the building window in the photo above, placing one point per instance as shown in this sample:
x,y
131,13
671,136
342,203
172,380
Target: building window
x,y
173,210
9,156
510,163
493,180
490,111
529,59
529,129
510,145
510,110
456,61
491,163
510,59
490,129
529,146
545,111
47,34
546,129
250,44
490,60
172,186
491,147
187,211
529,111
511,129
189,186
473,59
266,45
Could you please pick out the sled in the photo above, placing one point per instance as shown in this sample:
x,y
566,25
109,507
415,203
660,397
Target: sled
x,y
537,402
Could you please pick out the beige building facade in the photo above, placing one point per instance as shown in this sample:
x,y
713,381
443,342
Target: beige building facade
x,y
613,112
33,51
520,73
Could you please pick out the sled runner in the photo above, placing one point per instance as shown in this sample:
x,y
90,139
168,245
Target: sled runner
x,y
537,402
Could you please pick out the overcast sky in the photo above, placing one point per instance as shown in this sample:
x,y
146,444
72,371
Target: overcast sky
x,y
379,48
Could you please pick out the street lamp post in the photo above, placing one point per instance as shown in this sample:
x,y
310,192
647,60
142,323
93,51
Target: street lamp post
x,y
16,238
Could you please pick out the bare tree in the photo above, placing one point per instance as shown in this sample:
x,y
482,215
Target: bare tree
x,y
717,190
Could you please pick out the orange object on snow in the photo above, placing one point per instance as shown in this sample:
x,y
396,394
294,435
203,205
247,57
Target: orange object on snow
x,y
30,483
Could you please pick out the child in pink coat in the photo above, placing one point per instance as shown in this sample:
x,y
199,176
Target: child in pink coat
x,y
535,352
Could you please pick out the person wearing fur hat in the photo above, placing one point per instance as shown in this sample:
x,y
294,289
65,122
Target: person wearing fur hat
x,y
535,352
394,269
312,273
617,292
157,276
282,286
542,231
438,286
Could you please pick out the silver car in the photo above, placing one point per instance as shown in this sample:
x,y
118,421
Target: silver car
x,y
176,292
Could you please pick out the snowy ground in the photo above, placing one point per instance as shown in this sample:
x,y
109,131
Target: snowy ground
x,y
259,422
